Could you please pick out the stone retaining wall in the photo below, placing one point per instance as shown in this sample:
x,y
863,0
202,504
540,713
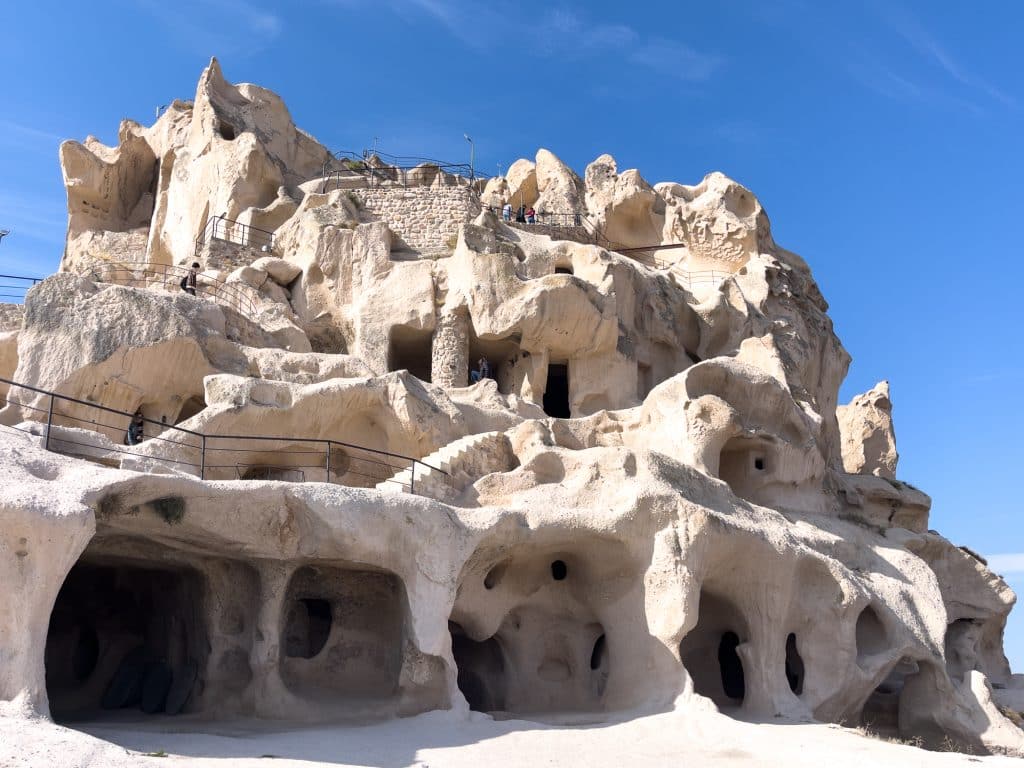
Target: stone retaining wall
x,y
224,255
423,219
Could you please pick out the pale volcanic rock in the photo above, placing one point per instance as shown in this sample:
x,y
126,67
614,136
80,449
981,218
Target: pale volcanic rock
x,y
624,207
560,190
651,510
868,437
521,180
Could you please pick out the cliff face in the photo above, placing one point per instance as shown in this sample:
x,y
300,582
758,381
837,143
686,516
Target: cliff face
x,y
648,502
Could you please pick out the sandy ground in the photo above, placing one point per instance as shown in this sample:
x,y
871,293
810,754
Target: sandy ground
x,y
444,740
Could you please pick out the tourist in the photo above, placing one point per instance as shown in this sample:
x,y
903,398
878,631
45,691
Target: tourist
x,y
188,282
506,212
521,214
134,434
531,215
482,372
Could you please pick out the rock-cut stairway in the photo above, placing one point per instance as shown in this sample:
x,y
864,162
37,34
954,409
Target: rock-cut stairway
x,y
465,460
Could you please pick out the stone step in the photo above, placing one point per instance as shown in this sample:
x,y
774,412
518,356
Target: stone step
x,y
448,458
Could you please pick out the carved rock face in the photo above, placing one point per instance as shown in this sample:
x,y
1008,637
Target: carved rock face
x,y
646,498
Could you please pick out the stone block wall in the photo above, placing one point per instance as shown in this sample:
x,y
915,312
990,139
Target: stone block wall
x,y
225,256
424,219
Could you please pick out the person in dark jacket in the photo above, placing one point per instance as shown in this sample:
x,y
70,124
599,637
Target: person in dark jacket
x,y
134,435
188,282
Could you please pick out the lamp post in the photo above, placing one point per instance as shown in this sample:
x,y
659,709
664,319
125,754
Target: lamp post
x,y
4,233
472,149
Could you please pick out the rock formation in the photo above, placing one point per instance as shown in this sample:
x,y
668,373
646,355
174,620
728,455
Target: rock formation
x,y
652,502
869,442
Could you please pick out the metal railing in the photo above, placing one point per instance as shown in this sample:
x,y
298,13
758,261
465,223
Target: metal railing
x,y
379,169
231,231
699,277
15,287
169,279
93,431
560,219
540,217
686,278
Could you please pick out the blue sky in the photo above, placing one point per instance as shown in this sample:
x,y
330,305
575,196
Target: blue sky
x,y
883,138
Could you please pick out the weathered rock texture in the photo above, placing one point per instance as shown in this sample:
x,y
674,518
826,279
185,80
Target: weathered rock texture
x,y
649,503
869,441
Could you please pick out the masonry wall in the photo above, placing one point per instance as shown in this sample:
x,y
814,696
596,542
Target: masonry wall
x,y
225,255
424,219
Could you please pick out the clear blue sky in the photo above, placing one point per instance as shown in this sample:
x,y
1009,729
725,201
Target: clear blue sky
x,y
883,138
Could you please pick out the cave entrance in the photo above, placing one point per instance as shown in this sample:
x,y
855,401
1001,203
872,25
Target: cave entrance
x,y
538,661
481,667
871,635
410,349
710,651
502,355
125,634
343,635
556,391
880,714
746,465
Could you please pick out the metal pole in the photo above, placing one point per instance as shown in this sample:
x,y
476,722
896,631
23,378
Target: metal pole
x,y
472,151
328,461
49,423
202,460
412,479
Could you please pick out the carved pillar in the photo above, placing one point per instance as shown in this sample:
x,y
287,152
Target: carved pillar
x,y
449,365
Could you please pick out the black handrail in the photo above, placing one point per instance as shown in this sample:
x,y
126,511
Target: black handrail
x,y
18,289
232,231
170,277
381,168
318,446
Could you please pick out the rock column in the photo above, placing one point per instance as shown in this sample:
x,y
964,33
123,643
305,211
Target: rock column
x,y
449,366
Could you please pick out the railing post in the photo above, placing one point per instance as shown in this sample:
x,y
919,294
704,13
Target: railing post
x,y
49,423
202,459
412,478
328,463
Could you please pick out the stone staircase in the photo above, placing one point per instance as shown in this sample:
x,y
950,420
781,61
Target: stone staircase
x,y
465,460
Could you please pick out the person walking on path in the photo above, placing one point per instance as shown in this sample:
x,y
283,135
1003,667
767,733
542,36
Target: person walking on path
x,y
188,282
531,215
134,435
506,212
